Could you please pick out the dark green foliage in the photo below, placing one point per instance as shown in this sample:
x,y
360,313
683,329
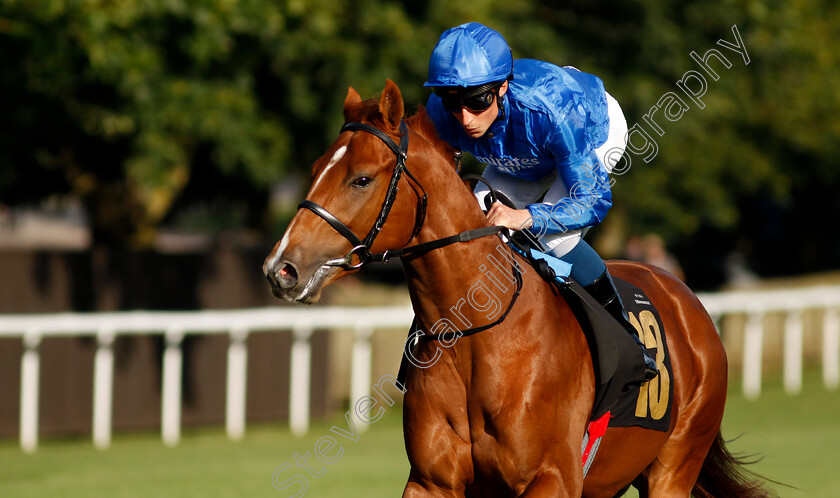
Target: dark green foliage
x,y
126,105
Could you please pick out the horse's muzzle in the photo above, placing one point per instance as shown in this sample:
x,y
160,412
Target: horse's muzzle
x,y
282,276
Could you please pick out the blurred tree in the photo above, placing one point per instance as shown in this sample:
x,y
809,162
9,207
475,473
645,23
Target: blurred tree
x,y
758,161
122,103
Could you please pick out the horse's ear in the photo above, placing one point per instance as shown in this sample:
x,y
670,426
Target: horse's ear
x,y
391,105
353,98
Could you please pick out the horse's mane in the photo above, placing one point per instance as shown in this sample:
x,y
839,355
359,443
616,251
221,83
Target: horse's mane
x,y
421,123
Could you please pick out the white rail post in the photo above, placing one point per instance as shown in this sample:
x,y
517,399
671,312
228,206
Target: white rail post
x,y
753,344
103,388
171,389
793,351
301,364
237,373
360,377
30,370
831,348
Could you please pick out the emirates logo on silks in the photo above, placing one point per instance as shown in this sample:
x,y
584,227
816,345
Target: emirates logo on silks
x,y
509,165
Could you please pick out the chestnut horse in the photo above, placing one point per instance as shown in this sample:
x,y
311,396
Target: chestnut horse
x,y
502,412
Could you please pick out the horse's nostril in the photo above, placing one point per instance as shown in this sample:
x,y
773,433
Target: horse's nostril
x,y
287,275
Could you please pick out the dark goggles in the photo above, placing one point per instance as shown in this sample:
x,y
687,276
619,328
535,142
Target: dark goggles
x,y
475,99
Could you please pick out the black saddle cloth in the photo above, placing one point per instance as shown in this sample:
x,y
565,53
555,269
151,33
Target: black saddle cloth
x,y
618,363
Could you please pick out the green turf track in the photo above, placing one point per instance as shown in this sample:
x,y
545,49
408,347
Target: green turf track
x,y
799,437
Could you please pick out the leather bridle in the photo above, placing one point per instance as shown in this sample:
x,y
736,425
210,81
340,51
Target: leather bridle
x,y
361,248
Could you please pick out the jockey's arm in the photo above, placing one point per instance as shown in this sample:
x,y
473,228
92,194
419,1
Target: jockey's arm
x,y
588,196
588,200
515,219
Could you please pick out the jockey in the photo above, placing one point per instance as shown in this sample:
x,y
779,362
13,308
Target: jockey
x,y
540,129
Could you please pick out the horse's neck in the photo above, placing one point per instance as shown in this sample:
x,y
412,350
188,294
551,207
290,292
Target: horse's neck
x,y
462,283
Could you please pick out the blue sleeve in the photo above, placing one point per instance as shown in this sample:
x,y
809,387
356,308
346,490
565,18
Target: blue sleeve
x,y
585,178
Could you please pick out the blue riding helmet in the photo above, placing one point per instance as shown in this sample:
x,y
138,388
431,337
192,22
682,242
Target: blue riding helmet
x,y
468,55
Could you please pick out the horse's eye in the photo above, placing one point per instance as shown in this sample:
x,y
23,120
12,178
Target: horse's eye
x,y
362,181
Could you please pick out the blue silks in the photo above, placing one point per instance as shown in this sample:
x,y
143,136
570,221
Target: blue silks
x,y
468,55
554,119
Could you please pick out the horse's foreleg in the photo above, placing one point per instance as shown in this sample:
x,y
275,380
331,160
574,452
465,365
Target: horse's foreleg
x,y
550,483
417,488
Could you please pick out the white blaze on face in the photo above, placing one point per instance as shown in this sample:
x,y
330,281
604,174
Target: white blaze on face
x,y
335,158
282,247
285,241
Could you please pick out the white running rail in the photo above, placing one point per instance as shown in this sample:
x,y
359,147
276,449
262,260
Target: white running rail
x,y
174,326
301,322
793,303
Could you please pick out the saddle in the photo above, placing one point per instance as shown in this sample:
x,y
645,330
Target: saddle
x,y
622,399
619,368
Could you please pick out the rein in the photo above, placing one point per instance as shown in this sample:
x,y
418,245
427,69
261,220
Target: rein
x,y
447,337
361,248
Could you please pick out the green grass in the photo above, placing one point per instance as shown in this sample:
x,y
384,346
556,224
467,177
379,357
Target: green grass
x,y
798,436
205,464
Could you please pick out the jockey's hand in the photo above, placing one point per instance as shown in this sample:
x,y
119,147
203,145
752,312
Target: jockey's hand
x,y
515,219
